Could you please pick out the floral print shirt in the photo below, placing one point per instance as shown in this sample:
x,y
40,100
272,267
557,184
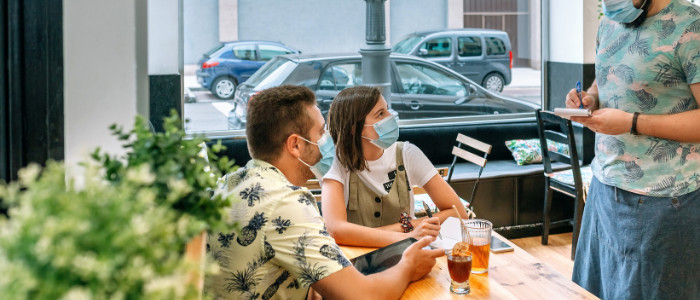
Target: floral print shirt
x,y
282,245
648,70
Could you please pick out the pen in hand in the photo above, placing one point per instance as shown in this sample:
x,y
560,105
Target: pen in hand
x,y
430,214
578,92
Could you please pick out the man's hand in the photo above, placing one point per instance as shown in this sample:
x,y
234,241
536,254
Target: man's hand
x,y
427,227
417,261
609,121
590,101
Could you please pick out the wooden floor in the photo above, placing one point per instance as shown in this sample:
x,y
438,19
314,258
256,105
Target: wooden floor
x,y
556,254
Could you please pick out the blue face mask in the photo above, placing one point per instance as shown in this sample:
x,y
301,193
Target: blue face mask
x,y
388,131
327,148
622,11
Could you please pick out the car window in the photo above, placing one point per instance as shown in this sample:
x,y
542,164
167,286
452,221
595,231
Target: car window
x,y
213,50
244,52
406,45
495,46
226,54
340,76
267,52
426,80
436,48
469,46
274,66
306,74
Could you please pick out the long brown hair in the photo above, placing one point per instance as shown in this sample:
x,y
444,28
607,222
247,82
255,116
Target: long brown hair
x,y
346,119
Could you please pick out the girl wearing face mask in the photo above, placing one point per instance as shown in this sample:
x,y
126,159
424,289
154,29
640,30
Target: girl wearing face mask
x,y
367,198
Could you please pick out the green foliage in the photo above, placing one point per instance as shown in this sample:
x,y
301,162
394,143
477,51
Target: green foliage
x,y
119,238
101,241
176,163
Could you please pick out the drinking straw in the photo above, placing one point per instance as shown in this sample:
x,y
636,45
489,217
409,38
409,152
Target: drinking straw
x,y
462,224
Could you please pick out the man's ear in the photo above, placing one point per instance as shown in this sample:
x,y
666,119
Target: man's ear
x,y
292,145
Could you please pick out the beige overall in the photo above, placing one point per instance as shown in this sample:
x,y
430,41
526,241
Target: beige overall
x,y
367,208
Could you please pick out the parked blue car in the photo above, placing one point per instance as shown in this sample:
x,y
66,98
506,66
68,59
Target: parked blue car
x,y
228,64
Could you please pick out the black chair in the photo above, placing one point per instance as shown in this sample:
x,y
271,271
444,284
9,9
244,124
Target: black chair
x,y
554,128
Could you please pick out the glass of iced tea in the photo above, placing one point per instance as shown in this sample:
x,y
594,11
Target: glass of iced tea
x,y
478,234
460,267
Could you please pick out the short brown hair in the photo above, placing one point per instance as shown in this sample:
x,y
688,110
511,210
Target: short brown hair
x,y
347,115
275,114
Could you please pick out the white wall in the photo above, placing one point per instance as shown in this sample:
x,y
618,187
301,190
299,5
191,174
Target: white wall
x,y
312,26
406,18
572,31
455,13
103,83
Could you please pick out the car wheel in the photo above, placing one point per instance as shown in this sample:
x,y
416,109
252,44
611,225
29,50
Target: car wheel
x,y
223,88
493,82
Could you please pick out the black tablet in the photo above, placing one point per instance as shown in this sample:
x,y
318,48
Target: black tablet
x,y
382,258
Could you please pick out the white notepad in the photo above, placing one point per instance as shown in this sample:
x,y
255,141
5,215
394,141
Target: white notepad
x,y
572,112
451,234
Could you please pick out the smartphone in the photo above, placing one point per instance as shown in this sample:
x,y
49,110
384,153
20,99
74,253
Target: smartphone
x,y
498,246
382,258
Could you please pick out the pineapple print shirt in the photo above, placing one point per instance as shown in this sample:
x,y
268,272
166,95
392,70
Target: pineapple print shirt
x,y
648,70
282,246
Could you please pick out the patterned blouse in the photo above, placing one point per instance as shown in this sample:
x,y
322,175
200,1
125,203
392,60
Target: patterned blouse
x,y
648,69
282,246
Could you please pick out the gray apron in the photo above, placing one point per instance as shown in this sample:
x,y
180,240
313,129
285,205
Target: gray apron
x,y
367,208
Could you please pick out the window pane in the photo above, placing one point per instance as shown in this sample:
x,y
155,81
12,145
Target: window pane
x,y
267,52
305,74
406,45
436,48
495,70
425,80
341,76
495,46
244,52
469,46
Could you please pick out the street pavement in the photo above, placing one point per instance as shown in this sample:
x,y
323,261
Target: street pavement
x,y
207,113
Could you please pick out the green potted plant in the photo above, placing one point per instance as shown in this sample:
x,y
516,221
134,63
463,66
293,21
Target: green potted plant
x,y
123,234
177,162
102,241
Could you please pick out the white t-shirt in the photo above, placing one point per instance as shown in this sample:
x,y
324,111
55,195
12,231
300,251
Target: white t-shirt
x,y
381,173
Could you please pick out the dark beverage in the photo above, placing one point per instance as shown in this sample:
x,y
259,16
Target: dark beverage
x,y
460,267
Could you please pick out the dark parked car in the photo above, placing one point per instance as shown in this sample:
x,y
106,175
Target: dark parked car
x,y
223,67
419,88
482,55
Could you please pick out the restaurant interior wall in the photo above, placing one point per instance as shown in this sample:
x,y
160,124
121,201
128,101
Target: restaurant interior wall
x,y
570,56
105,71
165,59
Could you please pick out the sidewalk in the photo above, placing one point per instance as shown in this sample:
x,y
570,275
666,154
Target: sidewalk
x,y
525,77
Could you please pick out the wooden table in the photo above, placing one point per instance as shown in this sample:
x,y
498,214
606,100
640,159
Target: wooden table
x,y
511,275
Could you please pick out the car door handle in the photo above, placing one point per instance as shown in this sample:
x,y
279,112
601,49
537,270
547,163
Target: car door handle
x,y
460,64
414,105
449,65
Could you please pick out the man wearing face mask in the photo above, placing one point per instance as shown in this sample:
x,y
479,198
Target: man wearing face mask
x,y
639,235
282,250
